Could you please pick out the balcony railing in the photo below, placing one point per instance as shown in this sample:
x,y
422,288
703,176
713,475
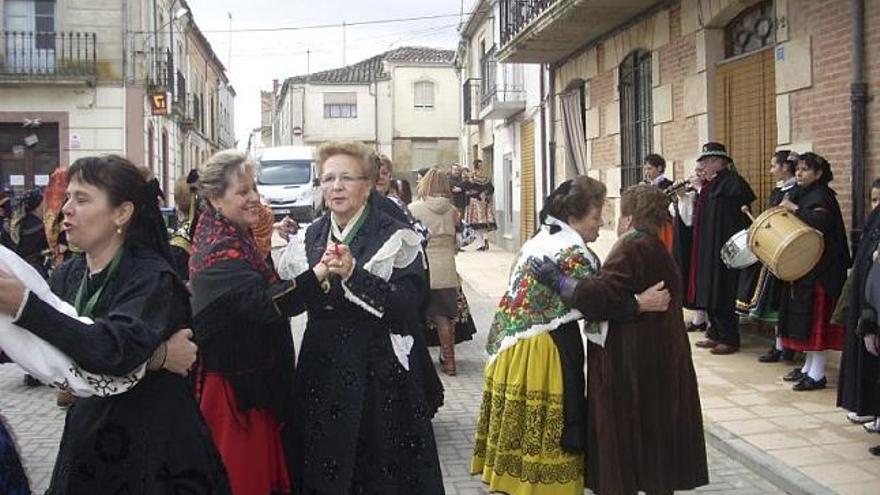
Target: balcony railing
x,y
48,55
161,69
500,97
515,15
471,100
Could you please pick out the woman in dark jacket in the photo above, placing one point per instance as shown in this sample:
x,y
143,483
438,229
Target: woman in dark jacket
x,y
241,320
858,388
151,438
363,412
29,233
807,304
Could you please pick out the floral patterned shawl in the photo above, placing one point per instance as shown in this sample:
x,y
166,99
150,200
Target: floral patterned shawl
x,y
528,307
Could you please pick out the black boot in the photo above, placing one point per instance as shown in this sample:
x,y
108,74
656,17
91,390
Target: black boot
x,y
696,328
771,356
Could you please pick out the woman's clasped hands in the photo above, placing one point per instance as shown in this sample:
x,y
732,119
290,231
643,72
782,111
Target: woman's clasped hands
x,y
337,260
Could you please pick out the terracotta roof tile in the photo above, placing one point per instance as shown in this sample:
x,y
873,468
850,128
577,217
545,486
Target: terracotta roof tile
x,y
373,68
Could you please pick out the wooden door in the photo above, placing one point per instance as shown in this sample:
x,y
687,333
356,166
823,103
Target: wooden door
x,y
527,181
745,118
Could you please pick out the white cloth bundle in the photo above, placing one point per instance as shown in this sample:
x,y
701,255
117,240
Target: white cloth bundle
x,y
44,361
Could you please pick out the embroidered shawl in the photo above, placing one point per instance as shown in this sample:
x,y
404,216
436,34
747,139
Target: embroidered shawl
x,y
217,239
528,307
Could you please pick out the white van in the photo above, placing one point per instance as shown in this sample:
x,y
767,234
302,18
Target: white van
x,y
287,178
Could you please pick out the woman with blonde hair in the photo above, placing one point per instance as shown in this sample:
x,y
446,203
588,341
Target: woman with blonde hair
x,y
241,320
433,208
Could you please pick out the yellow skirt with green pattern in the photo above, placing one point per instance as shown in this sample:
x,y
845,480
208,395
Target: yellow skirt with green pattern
x,y
518,441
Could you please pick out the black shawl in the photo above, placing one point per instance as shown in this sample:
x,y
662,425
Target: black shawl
x,y
818,208
720,218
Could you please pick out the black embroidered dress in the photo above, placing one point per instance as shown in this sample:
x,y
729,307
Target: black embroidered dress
x,y
364,419
150,439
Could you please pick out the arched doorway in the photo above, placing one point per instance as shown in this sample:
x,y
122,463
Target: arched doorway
x,y
745,97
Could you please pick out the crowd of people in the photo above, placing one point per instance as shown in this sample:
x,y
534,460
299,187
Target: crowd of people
x,y
177,342
830,308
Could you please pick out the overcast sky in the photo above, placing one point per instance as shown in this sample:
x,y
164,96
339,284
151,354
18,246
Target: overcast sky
x,y
258,57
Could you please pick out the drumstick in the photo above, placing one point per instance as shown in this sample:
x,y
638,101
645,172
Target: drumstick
x,y
745,209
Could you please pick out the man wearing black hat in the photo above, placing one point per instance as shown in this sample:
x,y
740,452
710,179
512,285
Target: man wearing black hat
x,y
717,216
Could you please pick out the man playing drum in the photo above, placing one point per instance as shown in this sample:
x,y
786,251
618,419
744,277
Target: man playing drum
x,y
717,216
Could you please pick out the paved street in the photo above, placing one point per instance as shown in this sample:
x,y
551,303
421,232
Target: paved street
x,y
37,423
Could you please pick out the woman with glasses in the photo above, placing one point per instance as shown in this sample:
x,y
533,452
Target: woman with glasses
x,y
363,417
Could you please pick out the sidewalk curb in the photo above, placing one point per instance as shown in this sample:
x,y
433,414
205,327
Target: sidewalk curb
x,y
771,469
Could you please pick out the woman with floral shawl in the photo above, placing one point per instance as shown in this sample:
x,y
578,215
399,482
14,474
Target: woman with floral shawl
x,y
530,436
644,422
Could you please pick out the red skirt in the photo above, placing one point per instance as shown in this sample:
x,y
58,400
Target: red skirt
x,y
249,442
665,235
824,335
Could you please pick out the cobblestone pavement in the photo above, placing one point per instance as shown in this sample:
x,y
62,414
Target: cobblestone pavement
x,y
37,424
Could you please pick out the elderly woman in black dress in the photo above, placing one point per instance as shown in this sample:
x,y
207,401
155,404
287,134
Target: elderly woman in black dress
x,y
363,413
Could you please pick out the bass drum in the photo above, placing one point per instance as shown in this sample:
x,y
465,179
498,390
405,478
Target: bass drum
x,y
787,246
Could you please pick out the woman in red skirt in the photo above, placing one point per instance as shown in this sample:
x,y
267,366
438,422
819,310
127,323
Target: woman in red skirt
x,y
807,303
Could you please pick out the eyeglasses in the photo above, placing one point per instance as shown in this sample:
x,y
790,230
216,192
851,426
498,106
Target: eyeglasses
x,y
346,180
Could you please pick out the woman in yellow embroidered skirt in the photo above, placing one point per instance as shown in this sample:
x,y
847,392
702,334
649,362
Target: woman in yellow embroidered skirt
x,y
530,436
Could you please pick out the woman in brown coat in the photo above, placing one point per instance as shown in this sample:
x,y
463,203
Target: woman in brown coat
x,y
645,427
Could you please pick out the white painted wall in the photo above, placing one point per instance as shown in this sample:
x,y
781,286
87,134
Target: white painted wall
x,y
319,129
442,121
95,114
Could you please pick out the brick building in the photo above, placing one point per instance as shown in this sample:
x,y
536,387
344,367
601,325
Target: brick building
x,y
665,77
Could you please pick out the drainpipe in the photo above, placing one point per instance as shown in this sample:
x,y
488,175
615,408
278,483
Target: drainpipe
x,y
551,145
859,99
543,116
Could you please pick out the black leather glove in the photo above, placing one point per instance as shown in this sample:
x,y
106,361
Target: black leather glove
x,y
546,271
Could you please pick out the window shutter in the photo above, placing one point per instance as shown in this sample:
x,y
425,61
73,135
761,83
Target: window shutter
x,y
340,98
424,94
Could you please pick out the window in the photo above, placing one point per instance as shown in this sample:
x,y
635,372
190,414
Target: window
x,y
44,20
750,31
29,16
424,94
197,112
340,105
424,153
636,118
